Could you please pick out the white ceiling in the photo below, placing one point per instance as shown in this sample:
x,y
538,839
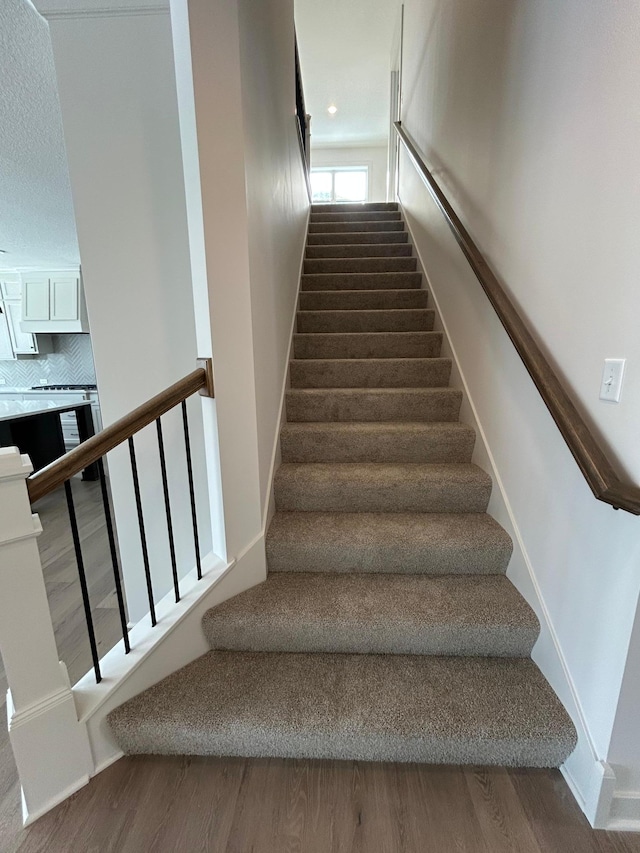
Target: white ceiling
x,y
37,226
345,57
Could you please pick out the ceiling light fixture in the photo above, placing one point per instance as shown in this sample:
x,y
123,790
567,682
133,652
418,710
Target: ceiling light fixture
x,y
332,110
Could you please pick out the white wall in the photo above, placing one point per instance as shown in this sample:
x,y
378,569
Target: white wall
x,y
118,98
523,111
277,203
373,156
246,206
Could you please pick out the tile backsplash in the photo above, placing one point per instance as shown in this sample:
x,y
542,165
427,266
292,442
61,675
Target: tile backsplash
x,y
71,362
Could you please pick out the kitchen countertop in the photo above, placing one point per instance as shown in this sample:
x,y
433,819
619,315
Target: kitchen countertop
x,y
12,409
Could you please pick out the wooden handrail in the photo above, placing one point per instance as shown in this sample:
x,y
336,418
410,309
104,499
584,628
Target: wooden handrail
x,y
85,454
585,448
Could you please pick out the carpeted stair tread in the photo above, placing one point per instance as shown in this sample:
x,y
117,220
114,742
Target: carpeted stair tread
x,y
367,345
381,487
373,404
372,250
381,320
359,226
451,710
377,442
363,300
355,207
376,614
360,280
354,215
359,237
402,543
370,373
336,265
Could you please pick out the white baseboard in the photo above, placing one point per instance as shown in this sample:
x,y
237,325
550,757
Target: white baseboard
x,y
269,504
624,815
30,817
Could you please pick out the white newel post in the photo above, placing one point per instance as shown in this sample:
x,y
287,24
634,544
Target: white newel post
x,y
50,746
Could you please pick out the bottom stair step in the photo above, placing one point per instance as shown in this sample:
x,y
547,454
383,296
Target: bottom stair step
x,y
436,710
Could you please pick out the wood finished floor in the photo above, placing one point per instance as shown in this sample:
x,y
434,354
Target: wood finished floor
x,y
154,803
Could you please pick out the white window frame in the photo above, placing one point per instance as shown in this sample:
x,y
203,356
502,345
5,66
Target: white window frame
x,y
333,169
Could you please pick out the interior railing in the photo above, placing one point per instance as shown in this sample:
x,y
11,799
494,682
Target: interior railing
x,y
584,446
92,452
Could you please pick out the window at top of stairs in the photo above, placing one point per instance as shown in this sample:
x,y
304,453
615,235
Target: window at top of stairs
x,y
332,184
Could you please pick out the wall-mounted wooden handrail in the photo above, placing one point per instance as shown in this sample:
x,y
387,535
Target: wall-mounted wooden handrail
x,y
591,458
85,454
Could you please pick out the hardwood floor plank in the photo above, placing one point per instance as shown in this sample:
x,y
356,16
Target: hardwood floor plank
x,y
504,823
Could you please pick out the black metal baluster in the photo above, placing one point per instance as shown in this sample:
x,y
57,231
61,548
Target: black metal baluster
x,y
143,536
192,494
167,506
83,580
114,556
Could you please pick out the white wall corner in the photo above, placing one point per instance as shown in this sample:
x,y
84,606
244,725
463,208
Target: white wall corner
x,y
591,780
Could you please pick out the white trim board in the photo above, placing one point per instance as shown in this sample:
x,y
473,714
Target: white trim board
x,y
269,504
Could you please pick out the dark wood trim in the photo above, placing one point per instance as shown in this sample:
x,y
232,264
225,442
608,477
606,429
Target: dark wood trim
x,y
585,448
87,453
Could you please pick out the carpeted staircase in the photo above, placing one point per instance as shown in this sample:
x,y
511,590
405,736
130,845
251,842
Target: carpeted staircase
x,y
387,629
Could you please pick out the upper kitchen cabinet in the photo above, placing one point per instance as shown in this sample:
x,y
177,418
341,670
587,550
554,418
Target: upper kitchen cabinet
x,y
53,301
14,342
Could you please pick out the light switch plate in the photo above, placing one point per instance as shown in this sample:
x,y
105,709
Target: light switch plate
x,y
612,374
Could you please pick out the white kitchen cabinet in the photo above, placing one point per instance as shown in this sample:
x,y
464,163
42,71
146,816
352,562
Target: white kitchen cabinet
x,y
10,287
64,298
24,343
6,347
53,301
35,298
13,341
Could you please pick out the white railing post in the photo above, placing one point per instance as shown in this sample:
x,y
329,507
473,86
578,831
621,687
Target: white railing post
x,y
50,746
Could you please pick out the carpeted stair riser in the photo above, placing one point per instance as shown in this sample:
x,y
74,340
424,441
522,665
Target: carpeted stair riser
x,y
361,281
370,373
346,227
397,543
428,405
353,216
376,614
381,487
401,320
358,238
363,300
367,345
373,250
354,207
334,265
447,710
376,442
